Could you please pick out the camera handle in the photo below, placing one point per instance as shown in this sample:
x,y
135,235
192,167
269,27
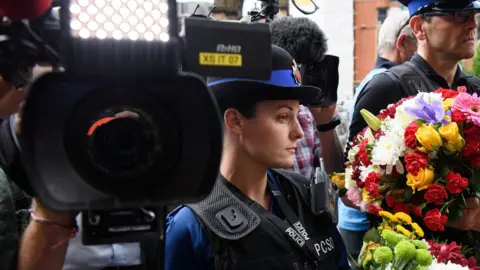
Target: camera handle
x,y
153,249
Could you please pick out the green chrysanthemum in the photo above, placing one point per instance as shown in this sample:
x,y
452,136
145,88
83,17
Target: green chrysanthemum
x,y
383,255
419,244
423,257
391,237
405,250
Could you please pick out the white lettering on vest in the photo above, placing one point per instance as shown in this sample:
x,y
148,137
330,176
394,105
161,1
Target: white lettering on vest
x,y
324,246
301,230
295,236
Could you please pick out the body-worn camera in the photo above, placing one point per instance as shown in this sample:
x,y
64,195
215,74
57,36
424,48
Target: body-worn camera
x,y
121,131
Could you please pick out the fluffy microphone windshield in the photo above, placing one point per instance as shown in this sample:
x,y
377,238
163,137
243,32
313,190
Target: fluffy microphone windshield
x,y
301,37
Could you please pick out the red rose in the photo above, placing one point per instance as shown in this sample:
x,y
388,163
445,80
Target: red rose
x,y
474,161
392,109
456,183
360,183
374,209
410,139
416,210
447,93
434,220
401,207
415,162
436,194
471,130
471,147
390,200
363,154
458,116
372,183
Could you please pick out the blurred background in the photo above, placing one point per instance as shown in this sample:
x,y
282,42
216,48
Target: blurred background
x,y
351,27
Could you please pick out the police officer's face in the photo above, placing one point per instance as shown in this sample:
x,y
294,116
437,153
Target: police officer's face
x,y
270,137
455,40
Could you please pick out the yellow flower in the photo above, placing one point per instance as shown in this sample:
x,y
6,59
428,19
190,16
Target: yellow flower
x,y
372,246
404,231
404,218
422,180
429,137
454,141
366,197
418,230
388,216
386,227
447,103
367,254
339,180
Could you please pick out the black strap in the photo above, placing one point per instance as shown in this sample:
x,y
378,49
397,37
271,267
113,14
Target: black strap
x,y
427,81
297,232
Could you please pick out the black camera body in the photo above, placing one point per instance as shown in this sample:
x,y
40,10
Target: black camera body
x,y
127,225
125,127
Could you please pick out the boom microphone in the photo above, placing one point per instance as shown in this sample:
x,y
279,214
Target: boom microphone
x,y
24,9
307,44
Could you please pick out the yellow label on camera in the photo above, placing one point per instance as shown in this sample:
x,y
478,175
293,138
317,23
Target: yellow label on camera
x,y
220,59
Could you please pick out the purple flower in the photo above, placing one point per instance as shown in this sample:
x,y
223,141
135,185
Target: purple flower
x,y
432,112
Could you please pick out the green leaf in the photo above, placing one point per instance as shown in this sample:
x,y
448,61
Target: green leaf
x,y
444,171
372,235
454,212
475,180
408,194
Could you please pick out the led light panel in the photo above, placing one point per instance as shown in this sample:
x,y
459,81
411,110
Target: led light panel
x,y
120,19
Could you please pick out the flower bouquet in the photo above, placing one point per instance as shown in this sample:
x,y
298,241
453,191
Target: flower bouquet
x,y
419,156
394,245
397,244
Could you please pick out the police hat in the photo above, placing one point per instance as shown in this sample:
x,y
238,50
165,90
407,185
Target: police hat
x,y
284,84
422,6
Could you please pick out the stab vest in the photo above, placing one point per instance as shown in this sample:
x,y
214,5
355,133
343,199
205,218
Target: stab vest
x,y
413,80
244,235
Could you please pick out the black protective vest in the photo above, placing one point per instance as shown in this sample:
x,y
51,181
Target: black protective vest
x,y
244,235
412,80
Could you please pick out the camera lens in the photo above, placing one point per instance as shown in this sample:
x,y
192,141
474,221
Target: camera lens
x,y
122,145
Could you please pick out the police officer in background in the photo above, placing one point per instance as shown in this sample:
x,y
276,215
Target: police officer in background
x,y
256,217
446,33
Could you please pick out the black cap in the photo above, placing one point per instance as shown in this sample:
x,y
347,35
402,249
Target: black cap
x,y
284,84
422,6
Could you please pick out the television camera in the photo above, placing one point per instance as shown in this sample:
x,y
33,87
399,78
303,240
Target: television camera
x,y
124,124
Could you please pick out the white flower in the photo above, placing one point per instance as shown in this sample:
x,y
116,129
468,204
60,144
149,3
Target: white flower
x,y
352,152
349,182
402,118
447,266
429,97
365,171
388,150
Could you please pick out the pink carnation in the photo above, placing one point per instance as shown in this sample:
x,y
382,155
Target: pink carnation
x,y
469,105
353,194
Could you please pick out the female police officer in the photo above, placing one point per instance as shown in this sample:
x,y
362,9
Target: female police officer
x,y
256,218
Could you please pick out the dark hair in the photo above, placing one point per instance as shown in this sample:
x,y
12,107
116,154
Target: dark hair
x,y
248,110
300,37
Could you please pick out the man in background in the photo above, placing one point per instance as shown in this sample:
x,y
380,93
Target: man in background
x,y
396,45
